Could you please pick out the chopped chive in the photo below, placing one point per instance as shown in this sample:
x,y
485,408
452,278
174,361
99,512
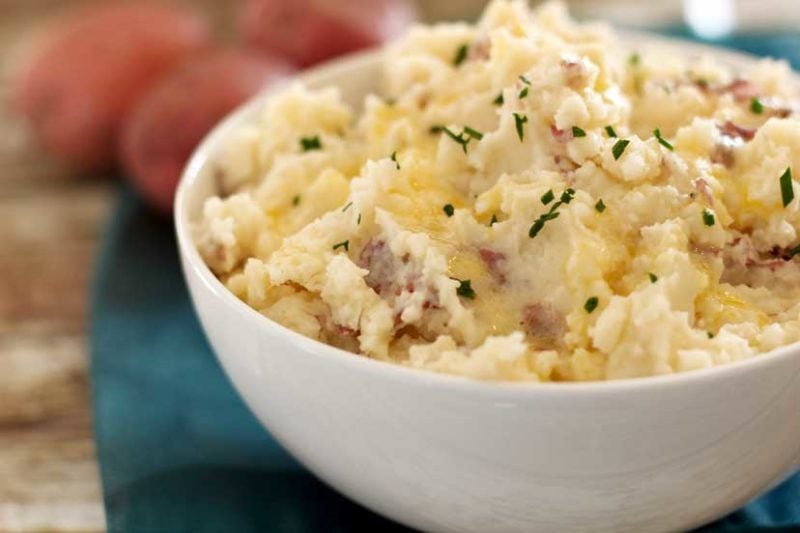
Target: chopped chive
x,y
523,93
459,138
519,121
756,106
345,208
600,206
610,132
310,143
464,288
524,80
494,221
463,138
634,59
343,244
662,141
578,132
619,147
394,158
296,200
538,224
548,197
591,304
787,190
358,220
448,210
436,128
708,217
461,54
499,100
653,277
475,134
710,335
793,252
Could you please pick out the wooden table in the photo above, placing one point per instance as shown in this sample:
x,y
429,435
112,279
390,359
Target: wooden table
x,y
50,220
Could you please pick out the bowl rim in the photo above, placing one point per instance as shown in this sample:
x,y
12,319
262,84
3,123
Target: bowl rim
x,y
194,264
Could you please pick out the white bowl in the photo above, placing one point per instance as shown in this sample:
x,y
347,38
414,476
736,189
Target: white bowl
x,y
444,453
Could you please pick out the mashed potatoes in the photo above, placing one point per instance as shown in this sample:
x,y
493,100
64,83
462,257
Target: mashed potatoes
x,y
531,200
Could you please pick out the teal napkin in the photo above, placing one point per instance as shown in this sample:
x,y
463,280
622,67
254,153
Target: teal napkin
x,y
178,449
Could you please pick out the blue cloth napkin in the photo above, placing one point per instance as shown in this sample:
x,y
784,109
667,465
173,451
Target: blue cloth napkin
x,y
178,449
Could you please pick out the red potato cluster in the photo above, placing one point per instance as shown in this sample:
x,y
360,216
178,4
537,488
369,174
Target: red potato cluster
x,y
310,31
142,83
173,118
94,66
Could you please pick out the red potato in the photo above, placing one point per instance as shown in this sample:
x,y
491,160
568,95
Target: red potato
x,y
164,129
91,69
310,31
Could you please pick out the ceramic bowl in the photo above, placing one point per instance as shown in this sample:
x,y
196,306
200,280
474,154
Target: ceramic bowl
x,y
444,453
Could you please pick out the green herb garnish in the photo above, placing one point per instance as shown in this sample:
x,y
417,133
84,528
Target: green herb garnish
x,y
345,208
524,80
591,304
653,277
464,288
756,106
662,141
708,217
475,134
343,244
610,132
787,190
394,158
296,200
310,143
548,197
519,121
358,220
578,132
523,93
494,221
538,224
448,210
619,147
499,100
710,335
600,206
461,54
463,138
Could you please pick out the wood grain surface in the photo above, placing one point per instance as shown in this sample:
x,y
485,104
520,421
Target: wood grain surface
x,y
51,218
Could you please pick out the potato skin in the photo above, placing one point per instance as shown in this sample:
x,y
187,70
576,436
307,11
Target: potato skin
x,y
171,120
310,31
91,68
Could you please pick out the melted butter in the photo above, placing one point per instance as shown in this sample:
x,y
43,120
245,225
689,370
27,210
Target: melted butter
x,y
495,306
417,199
719,307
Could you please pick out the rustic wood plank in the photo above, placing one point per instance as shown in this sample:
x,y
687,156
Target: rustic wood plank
x,y
51,222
